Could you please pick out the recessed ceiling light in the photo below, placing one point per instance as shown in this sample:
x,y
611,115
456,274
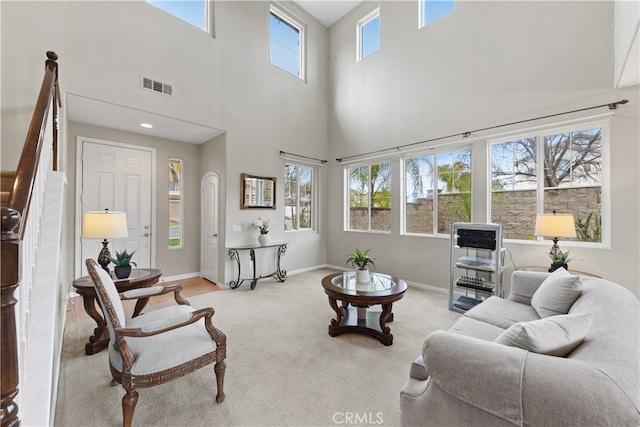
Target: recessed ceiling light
x,y
146,125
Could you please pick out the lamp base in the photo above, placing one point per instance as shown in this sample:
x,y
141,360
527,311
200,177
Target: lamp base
x,y
104,258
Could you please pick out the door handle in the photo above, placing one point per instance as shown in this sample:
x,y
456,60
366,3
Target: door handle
x,y
214,235
145,235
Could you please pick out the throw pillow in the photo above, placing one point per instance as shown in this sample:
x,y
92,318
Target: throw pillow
x,y
556,294
554,335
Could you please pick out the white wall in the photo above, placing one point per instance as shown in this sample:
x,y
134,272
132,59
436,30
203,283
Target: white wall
x,y
225,83
267,110
485,64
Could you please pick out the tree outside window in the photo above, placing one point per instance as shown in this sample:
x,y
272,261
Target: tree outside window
x,y
298,197
438,191
370,197
175,203
567,180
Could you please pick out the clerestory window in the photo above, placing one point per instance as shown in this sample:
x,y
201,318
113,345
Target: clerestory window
x,y
430,10
198,13
286,42
368,35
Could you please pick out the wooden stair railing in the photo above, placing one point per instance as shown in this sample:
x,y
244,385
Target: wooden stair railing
x,y
14,216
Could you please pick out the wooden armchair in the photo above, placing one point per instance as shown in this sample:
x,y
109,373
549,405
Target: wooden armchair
x,y
159,346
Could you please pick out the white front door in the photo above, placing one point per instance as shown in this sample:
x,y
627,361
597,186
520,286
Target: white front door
x,y
209,227
117,178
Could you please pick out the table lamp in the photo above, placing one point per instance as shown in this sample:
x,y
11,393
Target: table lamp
x,y
555,225
104,225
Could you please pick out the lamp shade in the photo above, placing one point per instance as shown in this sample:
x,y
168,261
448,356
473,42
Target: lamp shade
x,y
555,225
104,225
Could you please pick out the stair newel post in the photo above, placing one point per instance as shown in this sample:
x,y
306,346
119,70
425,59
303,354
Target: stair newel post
x,y
10,277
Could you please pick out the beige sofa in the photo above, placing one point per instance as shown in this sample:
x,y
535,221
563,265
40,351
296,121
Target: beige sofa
x,y
464,378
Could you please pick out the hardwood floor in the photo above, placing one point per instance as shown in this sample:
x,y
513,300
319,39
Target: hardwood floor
x,y
190,287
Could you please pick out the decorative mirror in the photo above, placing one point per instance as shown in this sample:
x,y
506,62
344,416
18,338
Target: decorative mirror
x,y
257,192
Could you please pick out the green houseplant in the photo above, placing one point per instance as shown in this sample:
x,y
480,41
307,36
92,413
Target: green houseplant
x,y
122,263
559,259
360,260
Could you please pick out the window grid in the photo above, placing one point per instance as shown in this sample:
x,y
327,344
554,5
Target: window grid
x,y
369,197
286,43
299,197
437,189
559,170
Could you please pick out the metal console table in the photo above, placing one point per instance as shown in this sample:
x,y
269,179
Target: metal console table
x,y
234,252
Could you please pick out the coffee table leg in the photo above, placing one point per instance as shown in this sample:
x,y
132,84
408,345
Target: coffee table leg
x,y
339,312
385,316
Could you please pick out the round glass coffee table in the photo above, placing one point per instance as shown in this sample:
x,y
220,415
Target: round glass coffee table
x,y
353,314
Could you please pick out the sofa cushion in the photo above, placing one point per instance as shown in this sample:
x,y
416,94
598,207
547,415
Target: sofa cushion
x,y
501,312
557,293
553,335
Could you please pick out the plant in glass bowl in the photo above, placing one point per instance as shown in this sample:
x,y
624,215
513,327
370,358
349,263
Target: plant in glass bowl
x,y
122,263
360,260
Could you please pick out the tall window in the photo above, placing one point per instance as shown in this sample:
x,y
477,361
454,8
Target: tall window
x,y
430,10
437,191
175,203
558,170
298,197
369,197
286,42
368,36
195,12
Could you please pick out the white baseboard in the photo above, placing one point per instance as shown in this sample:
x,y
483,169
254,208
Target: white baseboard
x,y
179,277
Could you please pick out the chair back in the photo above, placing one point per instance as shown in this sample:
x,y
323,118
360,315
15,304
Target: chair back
x,y
108,297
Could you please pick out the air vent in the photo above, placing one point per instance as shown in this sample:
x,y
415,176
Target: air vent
x,y
156,86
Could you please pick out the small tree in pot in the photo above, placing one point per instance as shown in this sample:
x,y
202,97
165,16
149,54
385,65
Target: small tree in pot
x,y
122,263
360,260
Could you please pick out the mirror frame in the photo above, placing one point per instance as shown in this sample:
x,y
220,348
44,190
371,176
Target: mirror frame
x,y
245,199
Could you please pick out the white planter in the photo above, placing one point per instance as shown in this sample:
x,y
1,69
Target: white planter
x,y
264,239
362,276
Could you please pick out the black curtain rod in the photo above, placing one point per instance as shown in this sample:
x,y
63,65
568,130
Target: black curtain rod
x,y
302,157
611,106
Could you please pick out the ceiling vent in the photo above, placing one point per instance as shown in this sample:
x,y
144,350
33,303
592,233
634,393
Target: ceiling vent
x,y
156,86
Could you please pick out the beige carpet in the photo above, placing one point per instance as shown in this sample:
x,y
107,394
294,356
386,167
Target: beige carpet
x,y
283,369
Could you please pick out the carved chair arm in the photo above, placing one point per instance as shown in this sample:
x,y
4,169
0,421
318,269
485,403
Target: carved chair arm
x,y
153,291
164,325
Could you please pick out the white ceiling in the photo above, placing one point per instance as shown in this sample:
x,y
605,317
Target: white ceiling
x,y
327,12
100,113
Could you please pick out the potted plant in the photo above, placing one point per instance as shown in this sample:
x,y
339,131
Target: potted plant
x,y
122,263
263,225
360,260
559,259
